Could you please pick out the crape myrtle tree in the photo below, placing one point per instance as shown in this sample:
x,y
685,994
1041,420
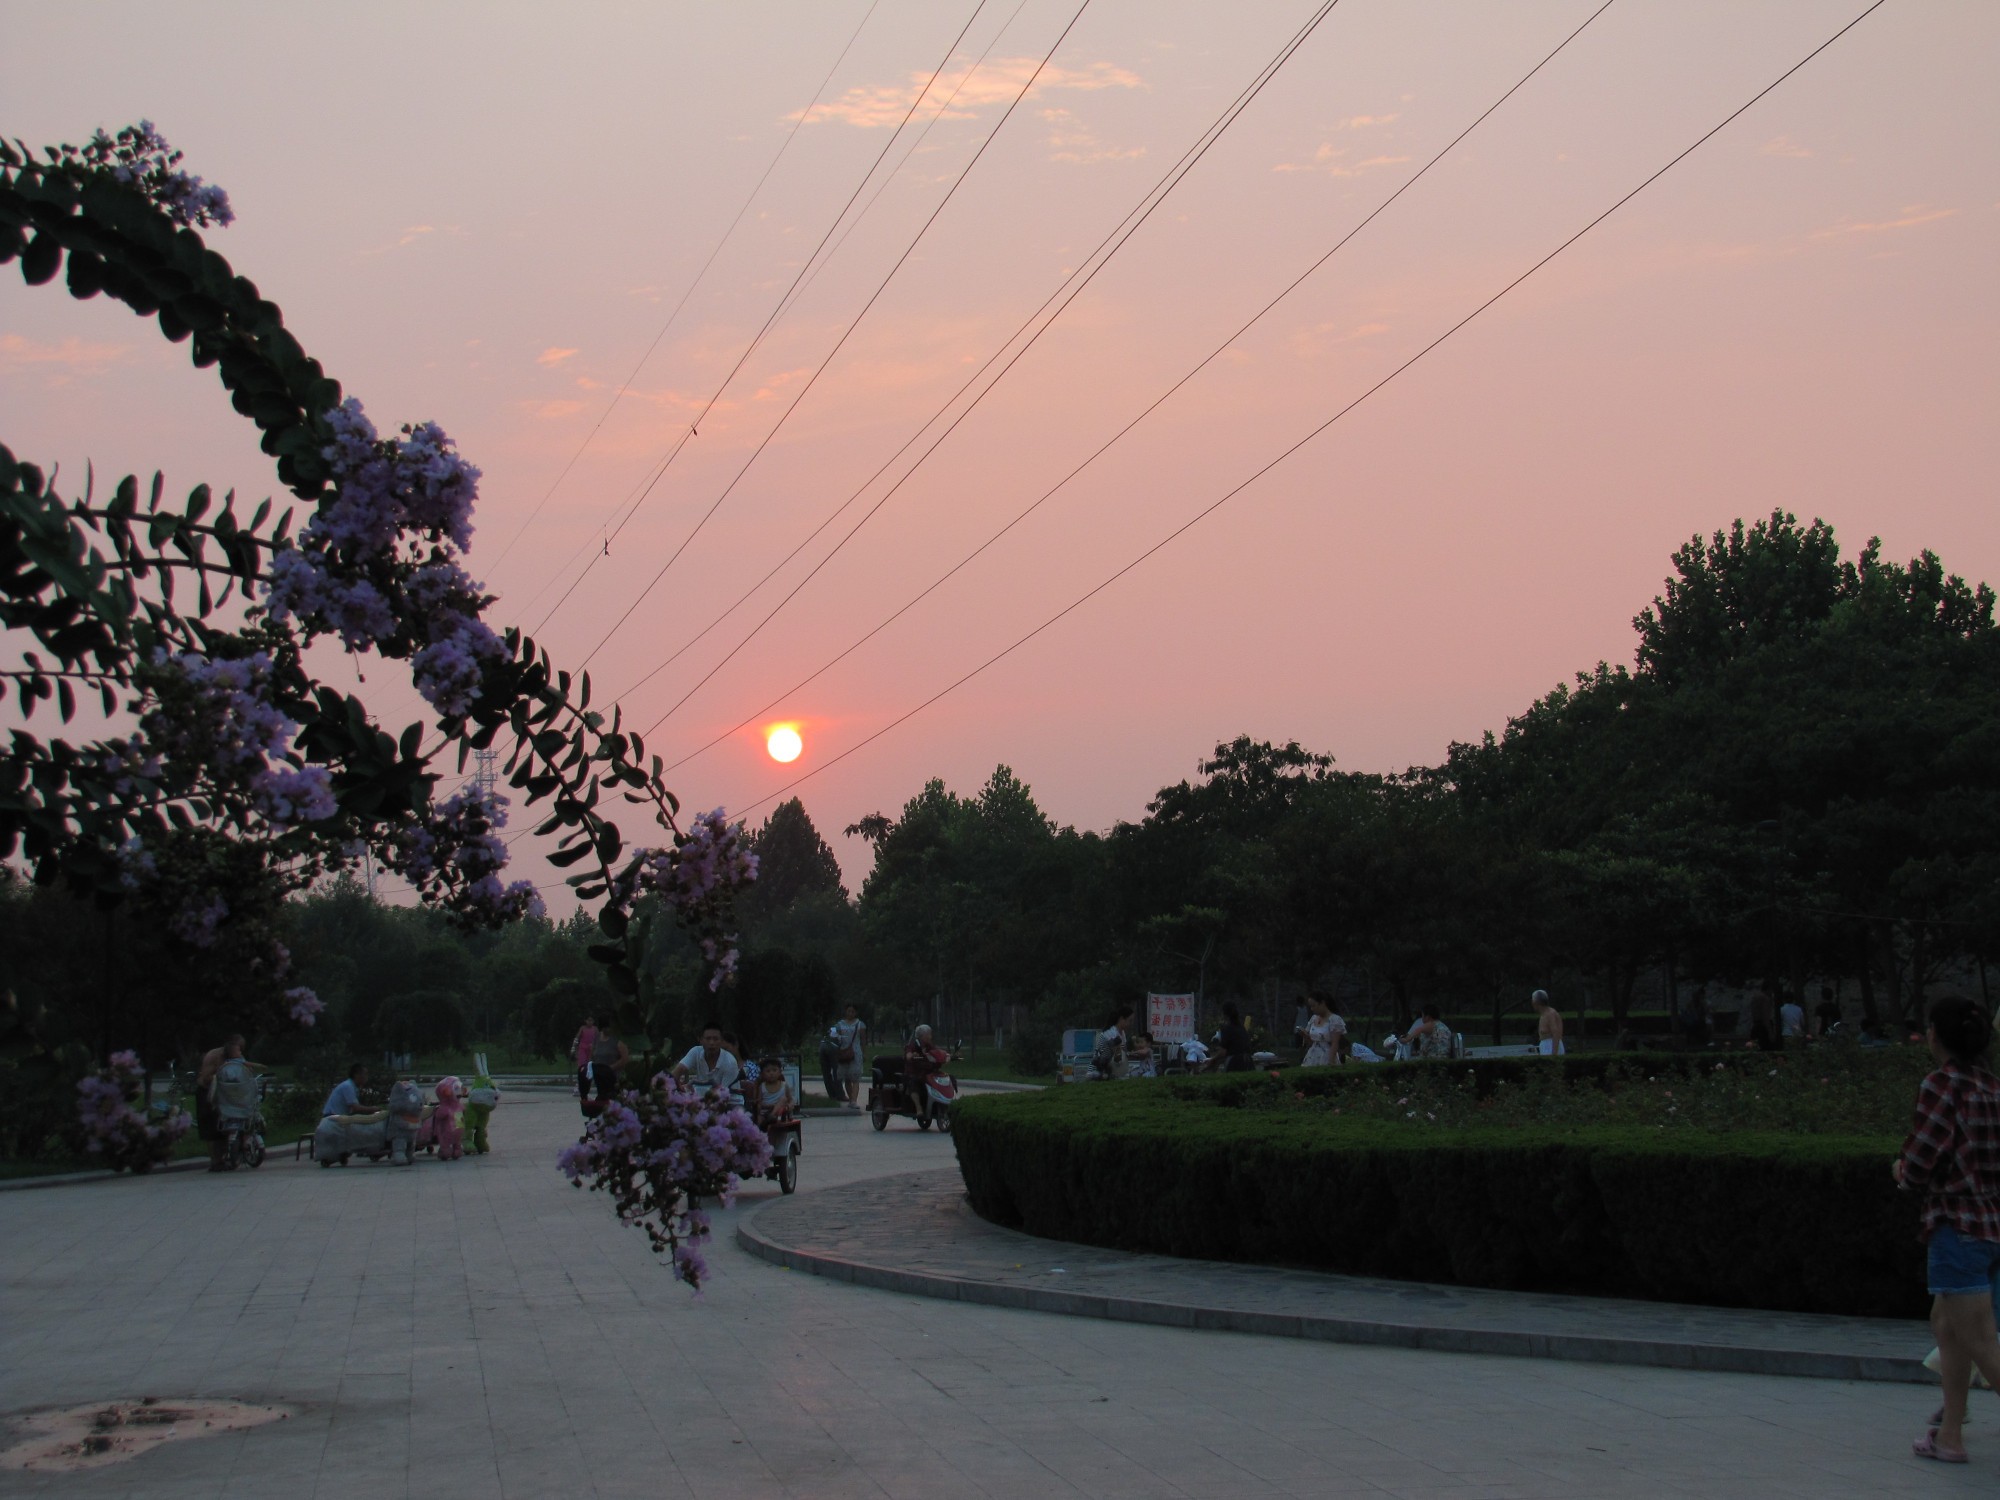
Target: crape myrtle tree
x,y
223,775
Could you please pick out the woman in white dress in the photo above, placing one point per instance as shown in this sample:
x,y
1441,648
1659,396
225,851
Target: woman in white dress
x,y
1324,1030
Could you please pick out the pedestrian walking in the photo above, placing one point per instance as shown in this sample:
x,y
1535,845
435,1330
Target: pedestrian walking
x,y
599,1077
850,1036
580,1050
1952,1156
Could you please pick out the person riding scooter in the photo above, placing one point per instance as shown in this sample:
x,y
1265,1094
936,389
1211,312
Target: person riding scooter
x,y
921,1058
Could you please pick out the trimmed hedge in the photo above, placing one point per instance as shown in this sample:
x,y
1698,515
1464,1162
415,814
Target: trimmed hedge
x,y
1183,1167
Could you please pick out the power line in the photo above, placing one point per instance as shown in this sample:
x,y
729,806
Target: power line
x,y
693,286
910,150
1073,285
812,380
1230,494
694,427
1119,436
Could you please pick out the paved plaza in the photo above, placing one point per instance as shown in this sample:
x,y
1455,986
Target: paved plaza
x,y
481,1329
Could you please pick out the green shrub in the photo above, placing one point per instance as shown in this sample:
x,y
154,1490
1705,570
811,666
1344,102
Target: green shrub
x,y
1240,1167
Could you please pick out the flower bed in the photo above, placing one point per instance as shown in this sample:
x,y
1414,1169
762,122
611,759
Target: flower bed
x,y
1655,1177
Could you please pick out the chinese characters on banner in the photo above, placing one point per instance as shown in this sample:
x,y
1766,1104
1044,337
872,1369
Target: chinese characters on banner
x,y
1170,1018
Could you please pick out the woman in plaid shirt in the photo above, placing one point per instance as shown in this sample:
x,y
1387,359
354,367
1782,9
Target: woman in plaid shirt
x,y
1953,1157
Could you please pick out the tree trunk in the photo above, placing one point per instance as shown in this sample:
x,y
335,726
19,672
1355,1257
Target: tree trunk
x,y
1871,1016
1894,969
1918,948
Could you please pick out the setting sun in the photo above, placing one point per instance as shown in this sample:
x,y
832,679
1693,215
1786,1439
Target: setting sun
x,y
784,743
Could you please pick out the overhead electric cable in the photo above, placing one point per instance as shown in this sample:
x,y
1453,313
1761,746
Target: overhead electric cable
x,y
1073,285
1116,437
693,286
813,379
910,150
694,427
1236,490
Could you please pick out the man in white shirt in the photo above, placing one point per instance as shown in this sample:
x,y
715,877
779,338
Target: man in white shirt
x,y
1194,1052
709,1066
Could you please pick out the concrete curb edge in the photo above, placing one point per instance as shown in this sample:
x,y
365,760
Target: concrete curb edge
x,y
101,1174
1582,1348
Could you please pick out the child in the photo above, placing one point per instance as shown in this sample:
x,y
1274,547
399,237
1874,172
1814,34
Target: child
x,y
1139,1057
772,1100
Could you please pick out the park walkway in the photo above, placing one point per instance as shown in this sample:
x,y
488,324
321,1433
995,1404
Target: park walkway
x,y
480,1329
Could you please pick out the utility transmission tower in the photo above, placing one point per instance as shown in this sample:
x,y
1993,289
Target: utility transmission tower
x,y
486,771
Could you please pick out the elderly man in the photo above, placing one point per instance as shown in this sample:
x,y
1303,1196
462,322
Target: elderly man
x,y
921,1058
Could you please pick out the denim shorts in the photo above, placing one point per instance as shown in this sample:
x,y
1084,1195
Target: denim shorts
x,y
1963,1267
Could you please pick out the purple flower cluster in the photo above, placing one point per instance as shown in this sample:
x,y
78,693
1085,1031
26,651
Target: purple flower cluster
x,y
351,574
198,919
136,864
698,878
139,157
129,766
455,854
115,1130
652,1150
306,1006
216,712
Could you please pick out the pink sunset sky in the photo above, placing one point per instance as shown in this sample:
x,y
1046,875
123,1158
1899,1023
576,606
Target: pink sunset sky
x,y
485,214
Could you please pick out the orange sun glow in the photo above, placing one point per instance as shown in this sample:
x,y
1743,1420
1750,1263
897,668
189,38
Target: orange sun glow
x,y
783,742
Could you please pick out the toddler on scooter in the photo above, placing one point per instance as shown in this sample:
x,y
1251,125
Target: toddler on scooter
x,y
772,1100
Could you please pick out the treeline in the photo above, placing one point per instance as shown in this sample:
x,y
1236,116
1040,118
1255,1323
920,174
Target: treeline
x,y
1797,781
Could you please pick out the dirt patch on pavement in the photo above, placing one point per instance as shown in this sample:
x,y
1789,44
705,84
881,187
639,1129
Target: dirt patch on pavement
x,y
110,1432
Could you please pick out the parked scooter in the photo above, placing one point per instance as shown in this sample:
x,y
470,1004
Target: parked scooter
x,y
239,1114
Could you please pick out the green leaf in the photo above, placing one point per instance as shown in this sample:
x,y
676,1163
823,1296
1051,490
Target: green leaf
x,y
41,260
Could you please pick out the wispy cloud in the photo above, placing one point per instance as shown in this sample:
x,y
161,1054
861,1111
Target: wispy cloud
x,y
552,357
1332,160
1071,141
875,106
72,359
551,409
1908,218
411,236
1784,145
1308,342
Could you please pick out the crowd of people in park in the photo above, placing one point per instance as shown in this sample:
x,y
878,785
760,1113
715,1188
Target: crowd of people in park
x,y
1770,1019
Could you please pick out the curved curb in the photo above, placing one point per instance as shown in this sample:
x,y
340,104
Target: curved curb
x,y
1584,1348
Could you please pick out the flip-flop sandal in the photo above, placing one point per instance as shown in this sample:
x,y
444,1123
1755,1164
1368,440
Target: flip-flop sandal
x,y
1928,1446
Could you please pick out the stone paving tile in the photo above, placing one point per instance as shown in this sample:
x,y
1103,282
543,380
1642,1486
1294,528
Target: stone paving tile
x,y
916,1233
480,1329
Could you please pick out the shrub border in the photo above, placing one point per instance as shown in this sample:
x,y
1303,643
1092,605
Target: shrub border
x,y
1748,1219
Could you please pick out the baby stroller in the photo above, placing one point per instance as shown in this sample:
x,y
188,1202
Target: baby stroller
x,y
239,1115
